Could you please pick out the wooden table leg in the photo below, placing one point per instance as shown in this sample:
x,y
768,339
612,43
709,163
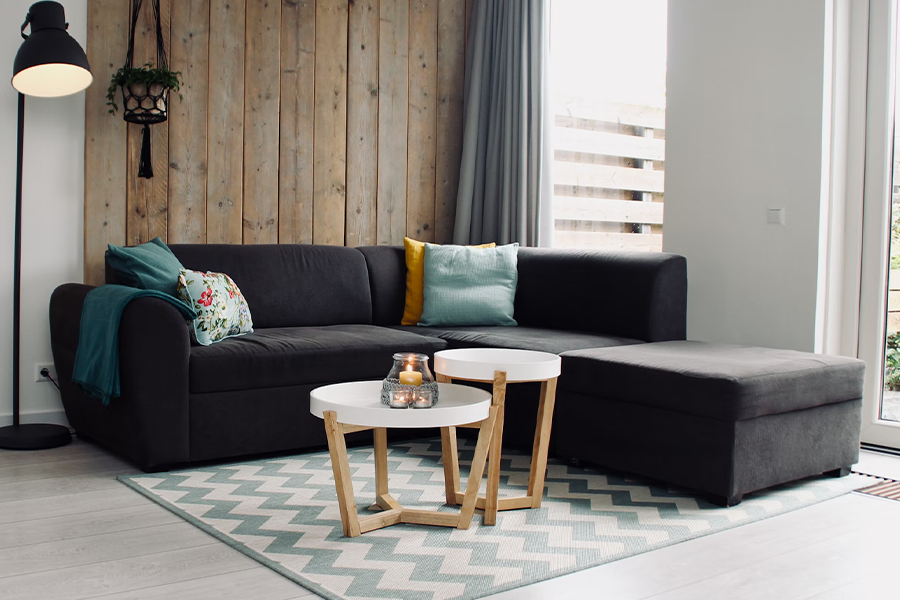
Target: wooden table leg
x,y
496,451
383,497
541,442
337,447
485,436
450,453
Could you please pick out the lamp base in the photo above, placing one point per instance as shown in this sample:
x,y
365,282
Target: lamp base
x,y
34,436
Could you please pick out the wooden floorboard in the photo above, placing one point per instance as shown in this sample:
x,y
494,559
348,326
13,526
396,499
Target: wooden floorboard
x,y
89,523
68,529
126,575
255,582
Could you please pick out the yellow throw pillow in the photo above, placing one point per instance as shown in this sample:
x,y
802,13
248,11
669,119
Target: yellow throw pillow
x,y
415,275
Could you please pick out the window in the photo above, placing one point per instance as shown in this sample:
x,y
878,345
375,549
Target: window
x,y
608,87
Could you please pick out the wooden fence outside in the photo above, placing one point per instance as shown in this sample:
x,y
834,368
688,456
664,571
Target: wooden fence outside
x,y
609,162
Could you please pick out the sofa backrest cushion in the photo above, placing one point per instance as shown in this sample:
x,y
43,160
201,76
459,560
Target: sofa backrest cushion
x,y
387,277
290,285
637,295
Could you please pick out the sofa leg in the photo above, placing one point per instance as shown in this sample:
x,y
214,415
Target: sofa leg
x,y
726,501
842,472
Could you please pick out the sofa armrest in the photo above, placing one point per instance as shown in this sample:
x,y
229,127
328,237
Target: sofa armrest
x,y
638,295
149,422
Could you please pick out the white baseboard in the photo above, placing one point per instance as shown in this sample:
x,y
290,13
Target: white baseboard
x,y
55,417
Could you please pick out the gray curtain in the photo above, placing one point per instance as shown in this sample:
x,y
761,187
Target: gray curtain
x,y
505,172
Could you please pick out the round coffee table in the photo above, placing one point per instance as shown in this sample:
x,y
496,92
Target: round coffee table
x,y
500,366
356,406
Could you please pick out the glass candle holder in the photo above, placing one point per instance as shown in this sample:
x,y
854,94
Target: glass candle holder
x,y
410,383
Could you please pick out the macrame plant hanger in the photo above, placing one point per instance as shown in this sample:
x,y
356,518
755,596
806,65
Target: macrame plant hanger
x,y
146,104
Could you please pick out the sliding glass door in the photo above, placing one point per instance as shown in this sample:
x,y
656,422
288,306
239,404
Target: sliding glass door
x,y
879,324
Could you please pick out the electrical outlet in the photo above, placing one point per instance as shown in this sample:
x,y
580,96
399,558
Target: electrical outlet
x,y
37,372
775,216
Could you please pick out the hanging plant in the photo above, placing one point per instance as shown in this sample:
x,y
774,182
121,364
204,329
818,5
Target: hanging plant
x,y
145,90
140,83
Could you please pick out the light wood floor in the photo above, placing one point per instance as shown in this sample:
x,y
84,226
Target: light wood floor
x,y
69,530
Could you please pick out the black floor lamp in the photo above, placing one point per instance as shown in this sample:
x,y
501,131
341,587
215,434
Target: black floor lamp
x,y
49,64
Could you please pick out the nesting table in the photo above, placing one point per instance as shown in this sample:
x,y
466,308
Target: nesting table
x,y
356,406
499,366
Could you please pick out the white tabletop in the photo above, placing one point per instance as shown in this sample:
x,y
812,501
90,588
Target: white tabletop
x,y
359,403
479,364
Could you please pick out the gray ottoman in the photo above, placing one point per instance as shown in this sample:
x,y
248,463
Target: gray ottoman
x,y
725,420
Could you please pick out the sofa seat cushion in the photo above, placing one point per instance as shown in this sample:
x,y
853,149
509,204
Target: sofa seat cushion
x,y
719,381
284,356
555,341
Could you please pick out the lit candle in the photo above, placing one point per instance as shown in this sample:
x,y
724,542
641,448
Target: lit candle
x,y
399,399
410,377
421,400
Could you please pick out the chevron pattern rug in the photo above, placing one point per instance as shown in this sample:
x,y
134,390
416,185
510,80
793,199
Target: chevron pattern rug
x,y
283,512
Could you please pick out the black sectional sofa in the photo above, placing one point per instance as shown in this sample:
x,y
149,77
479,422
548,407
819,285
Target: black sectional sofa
x,y
325,314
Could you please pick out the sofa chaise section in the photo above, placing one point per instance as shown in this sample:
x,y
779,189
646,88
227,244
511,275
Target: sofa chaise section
x,y
723,419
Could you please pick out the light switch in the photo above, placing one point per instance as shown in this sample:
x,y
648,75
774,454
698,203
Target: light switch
x,y
775,216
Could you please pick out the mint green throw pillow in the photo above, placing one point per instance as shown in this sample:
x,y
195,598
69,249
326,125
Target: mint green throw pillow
x,y
469,286
150,266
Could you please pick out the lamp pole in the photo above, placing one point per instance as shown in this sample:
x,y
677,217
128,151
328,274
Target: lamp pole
x,y
17,265
49,63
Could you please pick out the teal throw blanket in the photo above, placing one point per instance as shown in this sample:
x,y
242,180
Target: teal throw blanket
x,y
97,358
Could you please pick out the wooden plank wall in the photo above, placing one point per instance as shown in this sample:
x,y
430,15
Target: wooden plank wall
x,y
302,121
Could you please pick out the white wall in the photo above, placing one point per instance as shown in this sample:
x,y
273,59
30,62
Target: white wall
x,y
53,214
744,133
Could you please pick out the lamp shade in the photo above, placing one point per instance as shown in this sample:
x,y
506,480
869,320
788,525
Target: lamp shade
x,y
50,62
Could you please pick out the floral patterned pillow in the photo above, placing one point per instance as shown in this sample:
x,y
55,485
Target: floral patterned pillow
x,y
221,308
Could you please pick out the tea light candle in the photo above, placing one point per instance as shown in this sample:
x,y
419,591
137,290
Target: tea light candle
x,y
410,377
399,399
421,400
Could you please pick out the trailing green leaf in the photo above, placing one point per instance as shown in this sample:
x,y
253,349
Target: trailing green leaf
x,y
147,75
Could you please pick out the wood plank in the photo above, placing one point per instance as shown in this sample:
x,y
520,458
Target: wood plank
x,y
67,527
248,582
610,144
148,199
298,84
422,129
227,22
362,123
261,128
605,176
450,86
66,505
330,144
101,547
393,70
188,117
82,466
60,486
127,574
610,112
77,450
602,209
651,242
105,139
